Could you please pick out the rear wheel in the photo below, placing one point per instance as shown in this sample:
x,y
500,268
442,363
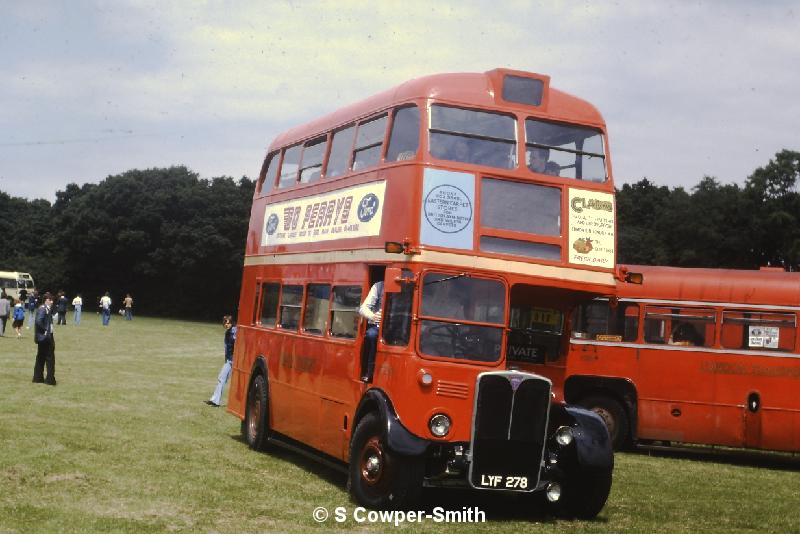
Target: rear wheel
x,y
256,420
613,415
380,478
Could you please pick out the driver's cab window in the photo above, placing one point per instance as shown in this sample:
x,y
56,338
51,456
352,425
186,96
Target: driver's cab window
x,y
535,334
397,324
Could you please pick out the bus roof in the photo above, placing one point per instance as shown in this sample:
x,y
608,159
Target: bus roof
x,y
764,287
468,89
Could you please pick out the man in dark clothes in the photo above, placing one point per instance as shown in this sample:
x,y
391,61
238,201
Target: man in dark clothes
x,y
43,336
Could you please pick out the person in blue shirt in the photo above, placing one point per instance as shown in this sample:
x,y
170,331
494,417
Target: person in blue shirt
x,y
225,372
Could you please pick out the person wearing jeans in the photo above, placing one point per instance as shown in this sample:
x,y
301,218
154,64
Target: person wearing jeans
x,y
225,372
105,308
77,304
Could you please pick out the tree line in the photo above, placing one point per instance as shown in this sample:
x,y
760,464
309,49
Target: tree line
x,y
173,241
176,242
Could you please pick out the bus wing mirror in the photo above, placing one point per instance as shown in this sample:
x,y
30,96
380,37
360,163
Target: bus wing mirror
x,y
393,280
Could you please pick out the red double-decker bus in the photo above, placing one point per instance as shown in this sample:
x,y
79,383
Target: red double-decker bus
x,y
700,356
484,203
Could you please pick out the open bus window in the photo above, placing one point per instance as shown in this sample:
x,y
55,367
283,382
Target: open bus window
x,y
535,332
369,141
291,302
758,330
291,161
269,308
470,136
688,327
341,146
565,150
344,312
462,317
598,320
404,140
311,167
317,304
397,323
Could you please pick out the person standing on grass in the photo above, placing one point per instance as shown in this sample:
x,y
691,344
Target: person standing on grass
x,y
33,303
77,304
19,317
5,310
225,372
128,302
61,308
105,308
46,344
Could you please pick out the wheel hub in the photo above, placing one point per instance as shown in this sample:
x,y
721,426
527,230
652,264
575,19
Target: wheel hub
x,y
372,462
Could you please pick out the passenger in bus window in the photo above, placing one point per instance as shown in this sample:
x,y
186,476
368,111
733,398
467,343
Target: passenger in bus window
x,y
370,310
538,161
685,334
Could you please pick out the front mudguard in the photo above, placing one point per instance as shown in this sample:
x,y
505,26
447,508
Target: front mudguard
x,y
592,448
398,438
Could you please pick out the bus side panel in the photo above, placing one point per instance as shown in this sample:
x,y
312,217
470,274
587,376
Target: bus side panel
x,y
339,394
676,401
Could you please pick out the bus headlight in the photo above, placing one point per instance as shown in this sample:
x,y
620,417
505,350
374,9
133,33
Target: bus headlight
x,y
439,425
564,436
553,491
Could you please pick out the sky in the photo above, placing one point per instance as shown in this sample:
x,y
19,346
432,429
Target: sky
x,y
90,89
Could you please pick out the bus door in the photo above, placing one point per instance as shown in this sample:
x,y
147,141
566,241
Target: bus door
x,y
535,340
395,332
676,398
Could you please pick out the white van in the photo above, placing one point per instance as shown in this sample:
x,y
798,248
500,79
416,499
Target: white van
x,y
14,282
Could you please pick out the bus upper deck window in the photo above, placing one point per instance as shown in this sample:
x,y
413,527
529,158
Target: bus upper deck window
x,y
311,166
340,152
523,90
404,141
270,173
565,150
369,142
291,161
471,136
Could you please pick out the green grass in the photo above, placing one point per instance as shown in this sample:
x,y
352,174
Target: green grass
x,y
125,443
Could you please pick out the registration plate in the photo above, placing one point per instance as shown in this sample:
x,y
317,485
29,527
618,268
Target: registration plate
x,y
503,482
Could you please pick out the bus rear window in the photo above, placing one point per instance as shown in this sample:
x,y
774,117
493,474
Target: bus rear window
x,y
565,150
470,136
758,330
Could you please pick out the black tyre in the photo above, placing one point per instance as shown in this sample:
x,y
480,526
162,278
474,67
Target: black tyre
x,y
614,416
584,494
379,478
256,419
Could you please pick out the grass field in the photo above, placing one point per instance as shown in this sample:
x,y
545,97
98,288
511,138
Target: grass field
x,y
125,443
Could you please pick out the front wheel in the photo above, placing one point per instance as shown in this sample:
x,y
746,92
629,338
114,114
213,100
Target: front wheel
x,y
584,494
613,415
381,479
256,419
